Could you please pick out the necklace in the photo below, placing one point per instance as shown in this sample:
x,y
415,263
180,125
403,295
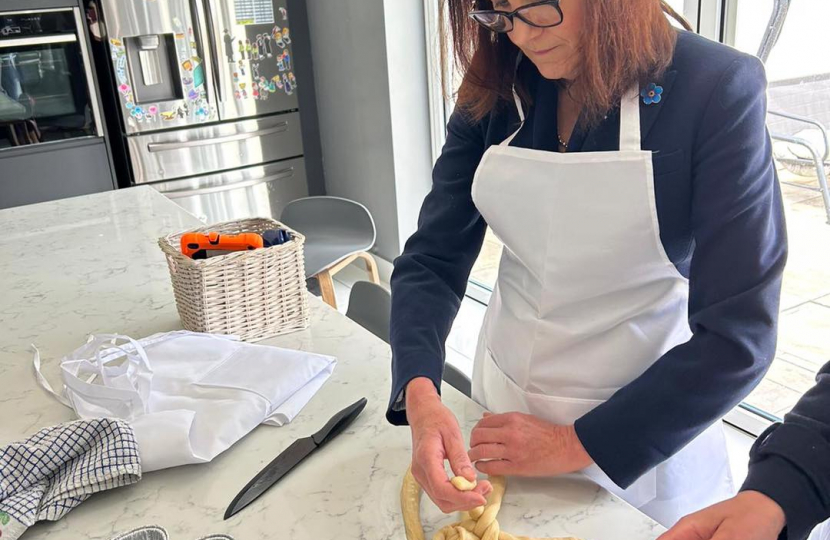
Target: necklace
x,y
563,143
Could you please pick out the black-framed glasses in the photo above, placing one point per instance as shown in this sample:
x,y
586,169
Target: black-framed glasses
x,y
543,14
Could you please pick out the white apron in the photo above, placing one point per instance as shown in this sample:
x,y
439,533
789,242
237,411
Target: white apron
x,y
188,396
586,301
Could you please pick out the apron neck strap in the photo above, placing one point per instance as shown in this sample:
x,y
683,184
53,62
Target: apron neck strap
x,y
516,98
630,120
518,102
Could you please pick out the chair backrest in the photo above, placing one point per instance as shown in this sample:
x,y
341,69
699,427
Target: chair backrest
x,y
370,306
457,380
320,214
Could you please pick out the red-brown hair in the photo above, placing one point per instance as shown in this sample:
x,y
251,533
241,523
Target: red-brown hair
x,y
622,42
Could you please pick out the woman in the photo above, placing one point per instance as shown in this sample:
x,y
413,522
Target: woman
x,y
626,167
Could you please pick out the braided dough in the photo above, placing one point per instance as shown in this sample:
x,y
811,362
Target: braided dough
x,y
478,524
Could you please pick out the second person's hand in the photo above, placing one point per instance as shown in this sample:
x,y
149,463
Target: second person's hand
x,y
436,437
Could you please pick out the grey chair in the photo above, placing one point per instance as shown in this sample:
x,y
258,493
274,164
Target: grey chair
x,y
370,306
338,232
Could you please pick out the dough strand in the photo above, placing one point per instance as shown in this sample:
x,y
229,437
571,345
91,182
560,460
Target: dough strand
x,y
478,524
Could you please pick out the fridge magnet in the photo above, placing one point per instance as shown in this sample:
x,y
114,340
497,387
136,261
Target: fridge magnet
x,y
180,36
248,48
263,48
286,57
229,52
124,88
187,65
187,81
277,35
272,86
255,71
199,76
235,76
269,49
116,43
281,62
168,116
193,95
241,66
255,50
152,110
289,86
284,13
129,105
293,80
277,80
255,91
286,37
237,94
242,49
177,23
118,53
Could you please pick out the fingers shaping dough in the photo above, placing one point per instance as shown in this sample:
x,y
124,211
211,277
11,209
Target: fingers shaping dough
x,y
478,524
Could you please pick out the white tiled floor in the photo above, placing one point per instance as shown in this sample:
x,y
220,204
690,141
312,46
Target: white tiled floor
x,y
461,347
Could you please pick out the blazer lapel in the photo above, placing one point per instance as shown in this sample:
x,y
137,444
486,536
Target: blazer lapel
x,y
606,136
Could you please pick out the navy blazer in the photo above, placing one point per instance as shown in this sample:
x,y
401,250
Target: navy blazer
x,y
721,221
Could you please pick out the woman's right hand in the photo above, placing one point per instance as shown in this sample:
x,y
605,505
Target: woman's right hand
x,y
436,437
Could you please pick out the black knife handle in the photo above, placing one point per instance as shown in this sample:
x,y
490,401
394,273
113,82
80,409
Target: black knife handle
x,y
339,422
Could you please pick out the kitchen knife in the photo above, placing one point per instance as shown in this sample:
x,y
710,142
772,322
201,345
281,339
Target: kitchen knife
x,y
292,456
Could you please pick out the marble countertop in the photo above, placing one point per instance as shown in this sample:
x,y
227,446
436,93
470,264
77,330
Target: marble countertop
x,y
91,265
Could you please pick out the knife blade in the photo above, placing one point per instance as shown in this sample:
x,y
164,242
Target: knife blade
x,y
293,456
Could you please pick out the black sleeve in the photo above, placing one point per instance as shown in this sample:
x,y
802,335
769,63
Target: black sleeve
x,y
790,462
430,277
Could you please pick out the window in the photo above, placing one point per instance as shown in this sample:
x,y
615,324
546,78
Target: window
x,y
799,86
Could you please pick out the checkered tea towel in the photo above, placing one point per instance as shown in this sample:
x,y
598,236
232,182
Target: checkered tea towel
x,y
55,470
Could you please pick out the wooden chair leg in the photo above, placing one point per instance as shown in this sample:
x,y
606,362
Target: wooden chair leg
x,y
327,288
371,266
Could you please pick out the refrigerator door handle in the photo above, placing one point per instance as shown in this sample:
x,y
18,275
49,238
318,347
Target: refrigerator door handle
x,y
282,127
205,37
214,51
285,173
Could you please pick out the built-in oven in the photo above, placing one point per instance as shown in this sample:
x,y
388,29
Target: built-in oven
x,y
46,82
53,143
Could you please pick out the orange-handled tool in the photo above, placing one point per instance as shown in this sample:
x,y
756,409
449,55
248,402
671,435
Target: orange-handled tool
x,y
194,243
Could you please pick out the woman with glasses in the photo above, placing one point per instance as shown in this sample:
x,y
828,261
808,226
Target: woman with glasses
x,y
626,167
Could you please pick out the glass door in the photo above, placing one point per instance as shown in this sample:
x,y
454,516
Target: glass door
x,y
44,80
799,116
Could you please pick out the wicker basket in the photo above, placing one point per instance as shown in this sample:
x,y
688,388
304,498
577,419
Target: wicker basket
x,y
251,294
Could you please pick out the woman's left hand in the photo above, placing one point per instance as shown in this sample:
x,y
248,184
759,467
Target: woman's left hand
x,y
517,444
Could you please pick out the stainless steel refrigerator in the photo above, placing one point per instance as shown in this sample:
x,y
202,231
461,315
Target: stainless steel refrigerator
x,y
206,96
